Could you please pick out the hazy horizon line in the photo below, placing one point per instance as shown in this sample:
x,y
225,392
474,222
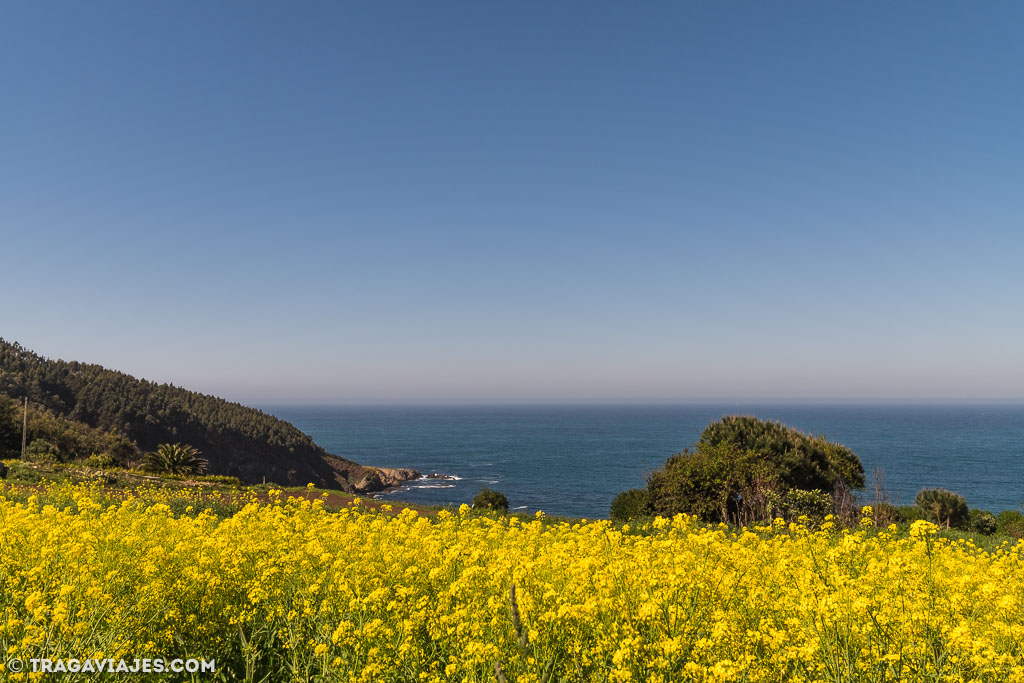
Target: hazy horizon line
x,y
623,403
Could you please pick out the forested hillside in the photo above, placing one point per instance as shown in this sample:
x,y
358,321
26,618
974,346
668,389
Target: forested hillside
x,y
127,416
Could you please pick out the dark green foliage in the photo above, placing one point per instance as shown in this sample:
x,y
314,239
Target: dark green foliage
x,y
102,461
910,513
1010,523
631,504
744,470
982,522
42,451
716,482
76,440
495,500
129,416
943,507
801,461
10,429
3,470
174,458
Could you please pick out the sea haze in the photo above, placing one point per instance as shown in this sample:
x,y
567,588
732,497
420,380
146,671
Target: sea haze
x,y
572,460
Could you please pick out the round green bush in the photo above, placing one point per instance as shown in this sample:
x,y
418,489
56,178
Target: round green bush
x,y
495,500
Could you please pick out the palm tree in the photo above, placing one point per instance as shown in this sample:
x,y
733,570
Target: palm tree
x,y
174,458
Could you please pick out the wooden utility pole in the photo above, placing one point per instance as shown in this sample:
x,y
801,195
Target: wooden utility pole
x,y
24,429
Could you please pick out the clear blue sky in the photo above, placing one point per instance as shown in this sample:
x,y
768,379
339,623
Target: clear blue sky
x,y
369,202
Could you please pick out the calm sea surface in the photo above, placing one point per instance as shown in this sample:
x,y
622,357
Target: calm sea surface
x,y
574,460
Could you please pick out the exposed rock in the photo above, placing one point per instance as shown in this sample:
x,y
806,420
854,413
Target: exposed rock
x,y
394,476
372,479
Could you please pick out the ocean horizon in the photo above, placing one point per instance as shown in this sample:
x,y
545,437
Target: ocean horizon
x,y
573,459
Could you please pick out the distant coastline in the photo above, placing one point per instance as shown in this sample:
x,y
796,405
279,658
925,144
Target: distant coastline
x,y
572,460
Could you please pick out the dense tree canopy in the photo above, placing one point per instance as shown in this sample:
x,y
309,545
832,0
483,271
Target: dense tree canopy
x,y
71,439
744,469
82,409
800,460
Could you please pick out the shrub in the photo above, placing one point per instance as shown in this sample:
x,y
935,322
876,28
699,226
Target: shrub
x,y
3,470
813,504
909,513
630,504
982,522
1011,523
23,472
42,451
174,458
943,507
495,500
103,461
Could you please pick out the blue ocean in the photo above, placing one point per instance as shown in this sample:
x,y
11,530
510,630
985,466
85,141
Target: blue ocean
x,y
572,460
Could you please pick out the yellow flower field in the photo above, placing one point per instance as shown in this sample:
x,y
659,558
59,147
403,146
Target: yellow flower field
x,y
289,591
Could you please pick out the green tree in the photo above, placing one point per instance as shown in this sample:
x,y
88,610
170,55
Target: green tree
x,y
743,469
174,458
41,450
943,507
